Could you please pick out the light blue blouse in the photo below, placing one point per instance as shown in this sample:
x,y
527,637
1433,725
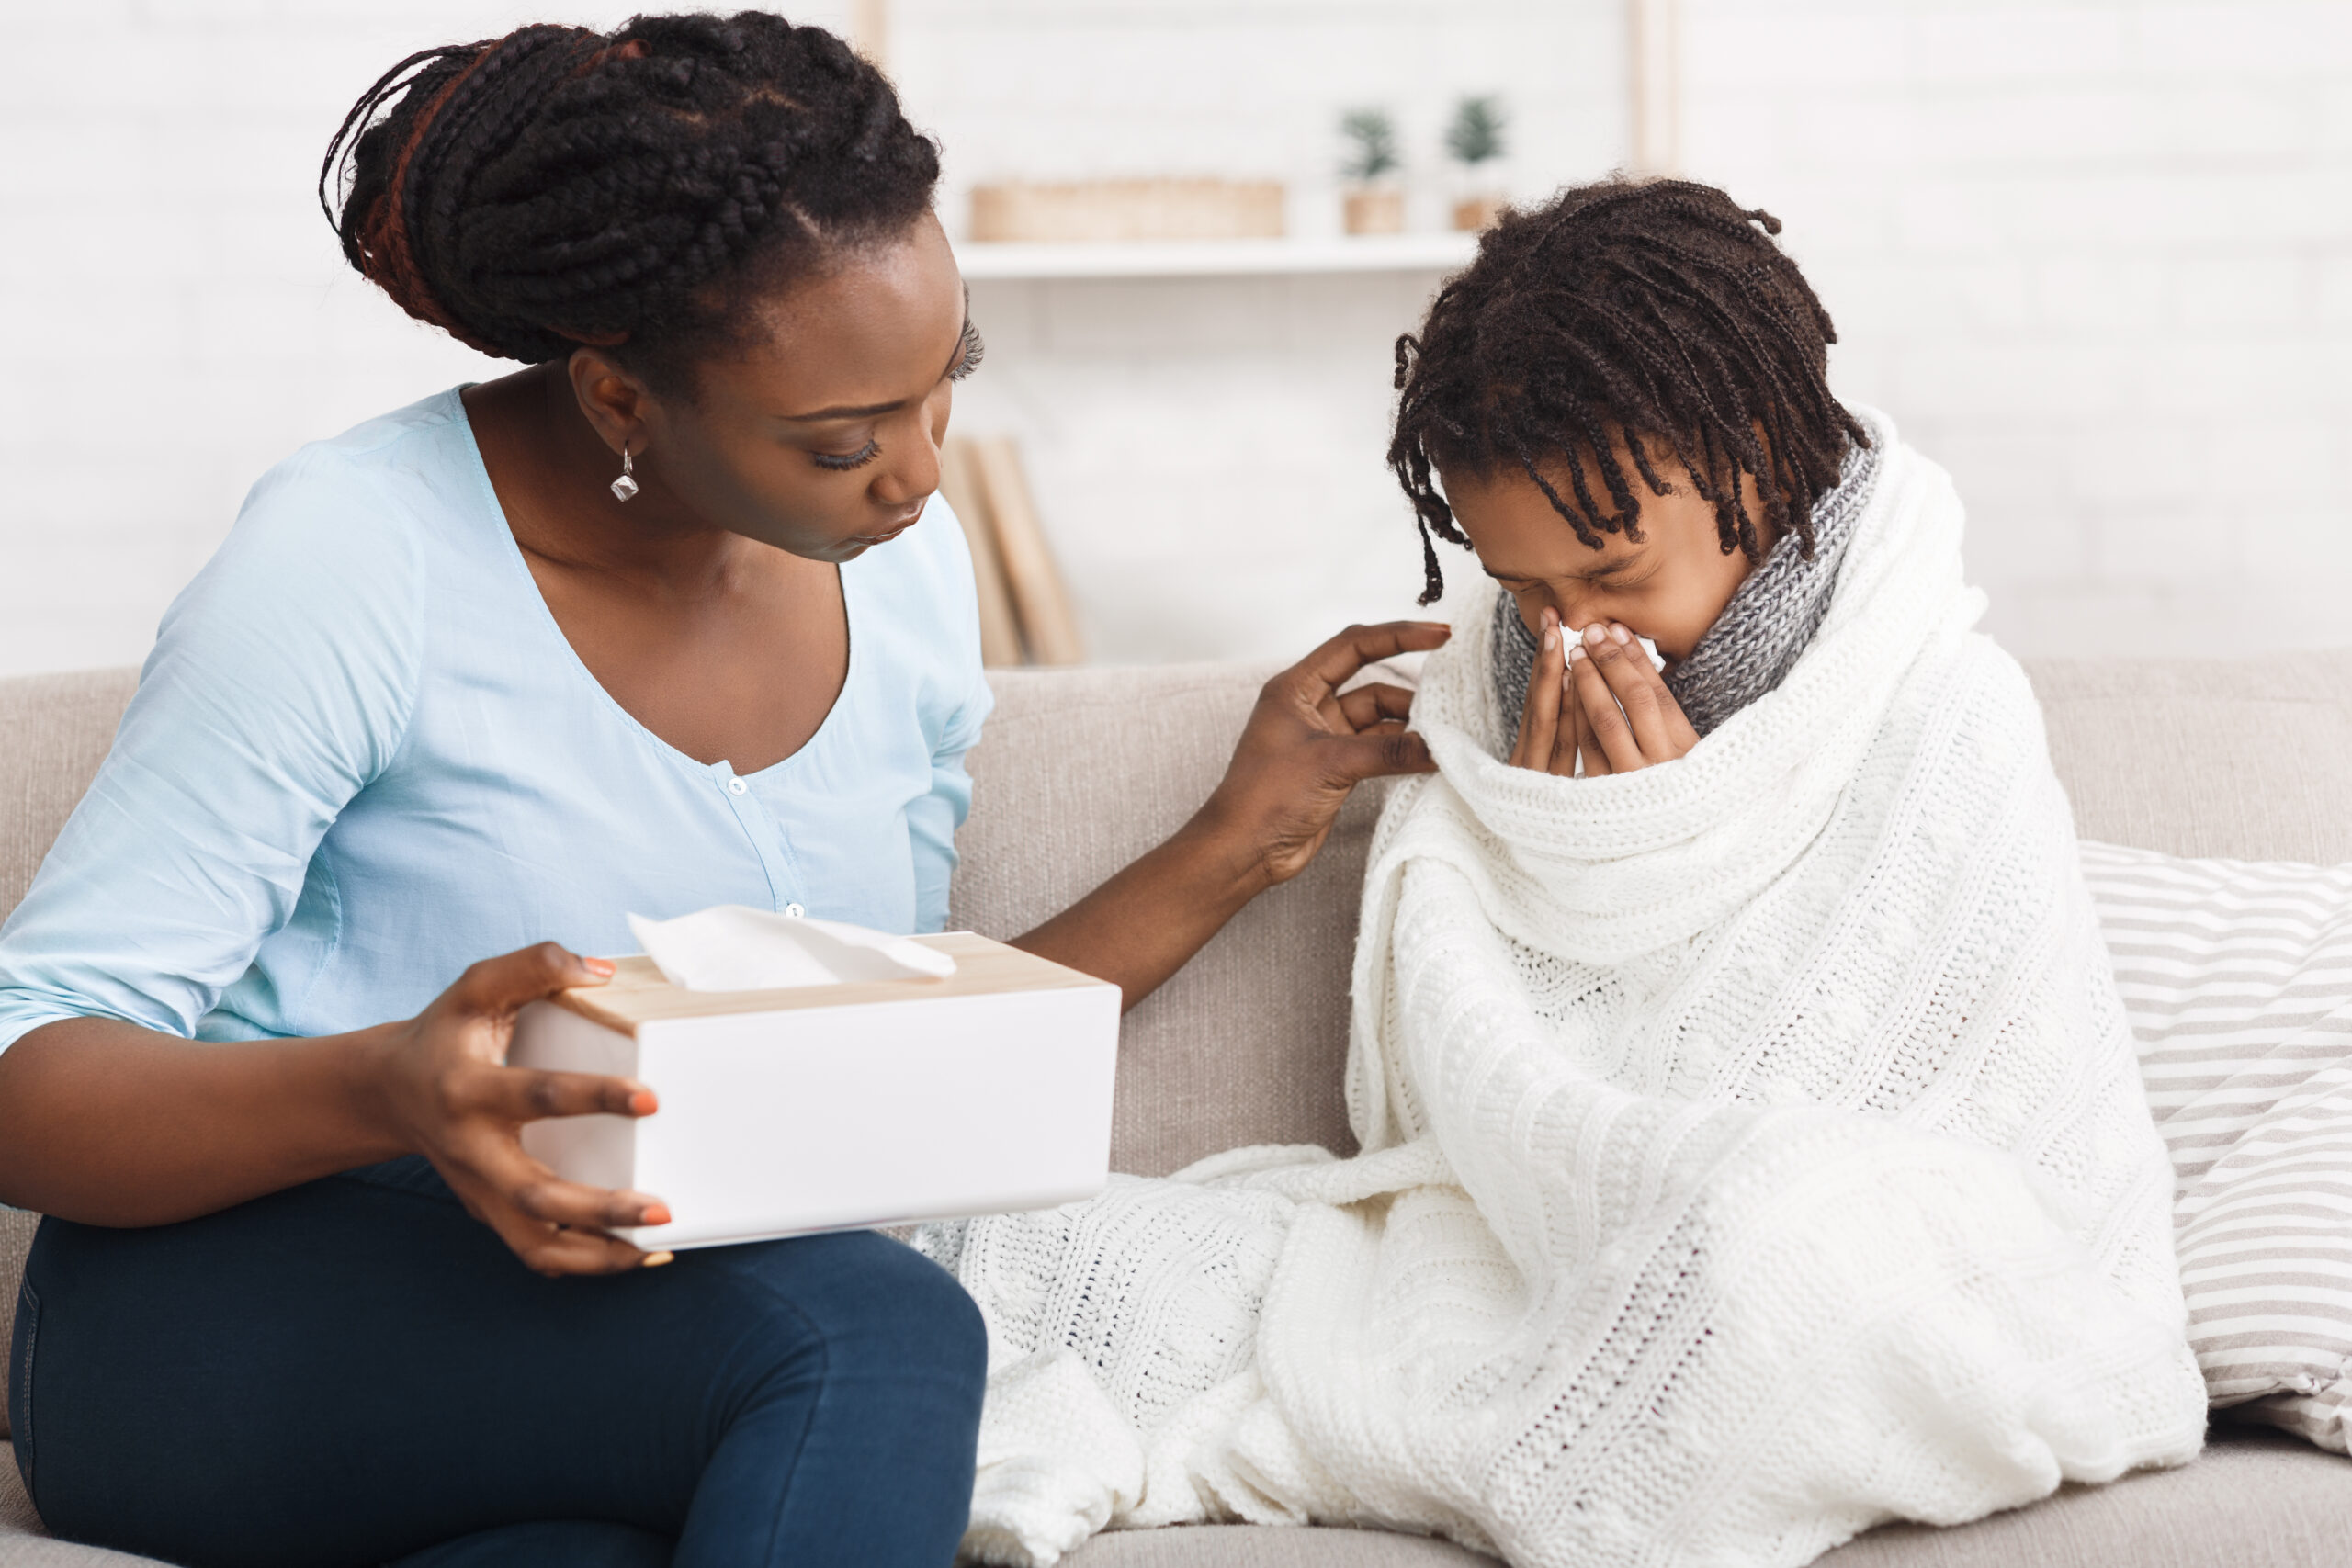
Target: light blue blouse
x,y
362,756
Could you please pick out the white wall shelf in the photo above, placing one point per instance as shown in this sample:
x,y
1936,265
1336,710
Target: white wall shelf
x,y
1215,258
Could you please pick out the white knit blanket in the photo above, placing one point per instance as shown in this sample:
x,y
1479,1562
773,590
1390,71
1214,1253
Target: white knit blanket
x,y
1753,1152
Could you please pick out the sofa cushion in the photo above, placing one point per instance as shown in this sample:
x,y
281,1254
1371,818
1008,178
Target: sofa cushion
x,y
2253,1500
1257,1546
2244,758
1080,770
54,731
2238,978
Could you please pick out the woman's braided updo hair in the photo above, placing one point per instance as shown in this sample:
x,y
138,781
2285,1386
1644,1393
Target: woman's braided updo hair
x,y
1658,310
558,186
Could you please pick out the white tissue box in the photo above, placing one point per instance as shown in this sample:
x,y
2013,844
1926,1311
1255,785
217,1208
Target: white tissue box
x,y
833,1107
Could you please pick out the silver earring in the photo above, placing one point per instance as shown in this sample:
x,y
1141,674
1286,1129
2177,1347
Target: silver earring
x,y
624,487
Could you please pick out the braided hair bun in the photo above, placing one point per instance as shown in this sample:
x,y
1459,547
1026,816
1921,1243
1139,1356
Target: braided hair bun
x,y
1659,309
558,185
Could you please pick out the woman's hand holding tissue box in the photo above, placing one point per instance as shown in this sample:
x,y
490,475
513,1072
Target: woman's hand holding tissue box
x,y
446,1084
816,1076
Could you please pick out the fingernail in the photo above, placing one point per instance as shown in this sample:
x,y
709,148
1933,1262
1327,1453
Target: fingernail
x,y
1620,633
598,967
1575,653
1596,634
654,1215
1551,634
642,1103
655,1259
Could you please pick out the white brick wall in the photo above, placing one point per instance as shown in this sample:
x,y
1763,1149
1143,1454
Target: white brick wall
x,y
177,317
2097,258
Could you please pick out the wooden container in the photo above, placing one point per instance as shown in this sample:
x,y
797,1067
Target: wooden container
x,y
838,1106
1477,214
1128,209
1374,210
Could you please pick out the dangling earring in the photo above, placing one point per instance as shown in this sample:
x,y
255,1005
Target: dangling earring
x,y
624,488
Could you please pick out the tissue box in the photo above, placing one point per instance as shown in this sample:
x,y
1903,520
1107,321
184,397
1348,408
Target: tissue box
x,y
832,1107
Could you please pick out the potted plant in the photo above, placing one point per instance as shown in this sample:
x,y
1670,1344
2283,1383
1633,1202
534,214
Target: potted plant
x,y
1375,203
1475,139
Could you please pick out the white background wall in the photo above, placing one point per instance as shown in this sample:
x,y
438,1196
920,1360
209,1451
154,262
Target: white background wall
x,y
2096,258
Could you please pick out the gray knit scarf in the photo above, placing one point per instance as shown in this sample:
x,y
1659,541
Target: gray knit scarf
x,y
1755,641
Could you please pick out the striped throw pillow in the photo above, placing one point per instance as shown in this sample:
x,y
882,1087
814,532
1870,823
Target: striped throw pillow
x,y
2238,978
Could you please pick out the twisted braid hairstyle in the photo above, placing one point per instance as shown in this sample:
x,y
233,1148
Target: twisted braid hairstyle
x,y
633,190
1657,313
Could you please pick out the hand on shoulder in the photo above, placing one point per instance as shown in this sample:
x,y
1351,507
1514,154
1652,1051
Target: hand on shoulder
x,y
1308,743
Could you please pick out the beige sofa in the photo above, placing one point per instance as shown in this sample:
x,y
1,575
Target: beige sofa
x,y
1080,770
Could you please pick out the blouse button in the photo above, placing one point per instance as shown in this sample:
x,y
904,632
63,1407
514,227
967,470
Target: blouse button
x,y
736,786
794,910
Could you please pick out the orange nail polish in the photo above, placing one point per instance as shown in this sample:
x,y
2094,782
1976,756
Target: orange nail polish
x,y
655,1215
643,1103
598,967
655,1259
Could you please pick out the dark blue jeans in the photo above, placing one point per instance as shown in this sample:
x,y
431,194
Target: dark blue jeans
x,y
356,1371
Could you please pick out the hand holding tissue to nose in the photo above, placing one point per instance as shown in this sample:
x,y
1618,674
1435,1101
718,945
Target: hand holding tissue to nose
x,y
734,948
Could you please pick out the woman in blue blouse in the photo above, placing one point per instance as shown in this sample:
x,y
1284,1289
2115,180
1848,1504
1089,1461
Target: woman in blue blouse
x,y
667,619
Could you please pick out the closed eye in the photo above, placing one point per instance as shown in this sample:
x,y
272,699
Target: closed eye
x,y
843,462
969,354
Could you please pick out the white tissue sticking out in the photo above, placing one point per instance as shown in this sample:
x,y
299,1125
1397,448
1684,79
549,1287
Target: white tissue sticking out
x,y
1657,659
732,948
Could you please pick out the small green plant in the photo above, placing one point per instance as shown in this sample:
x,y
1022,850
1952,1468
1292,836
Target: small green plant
x,y
1475,136
1371,135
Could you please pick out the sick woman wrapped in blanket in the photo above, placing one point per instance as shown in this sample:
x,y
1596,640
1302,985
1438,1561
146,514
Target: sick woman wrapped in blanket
x,y
1751,1145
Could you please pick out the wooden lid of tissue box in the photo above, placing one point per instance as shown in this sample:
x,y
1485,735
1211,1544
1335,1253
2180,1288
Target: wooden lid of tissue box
x,y
637,994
